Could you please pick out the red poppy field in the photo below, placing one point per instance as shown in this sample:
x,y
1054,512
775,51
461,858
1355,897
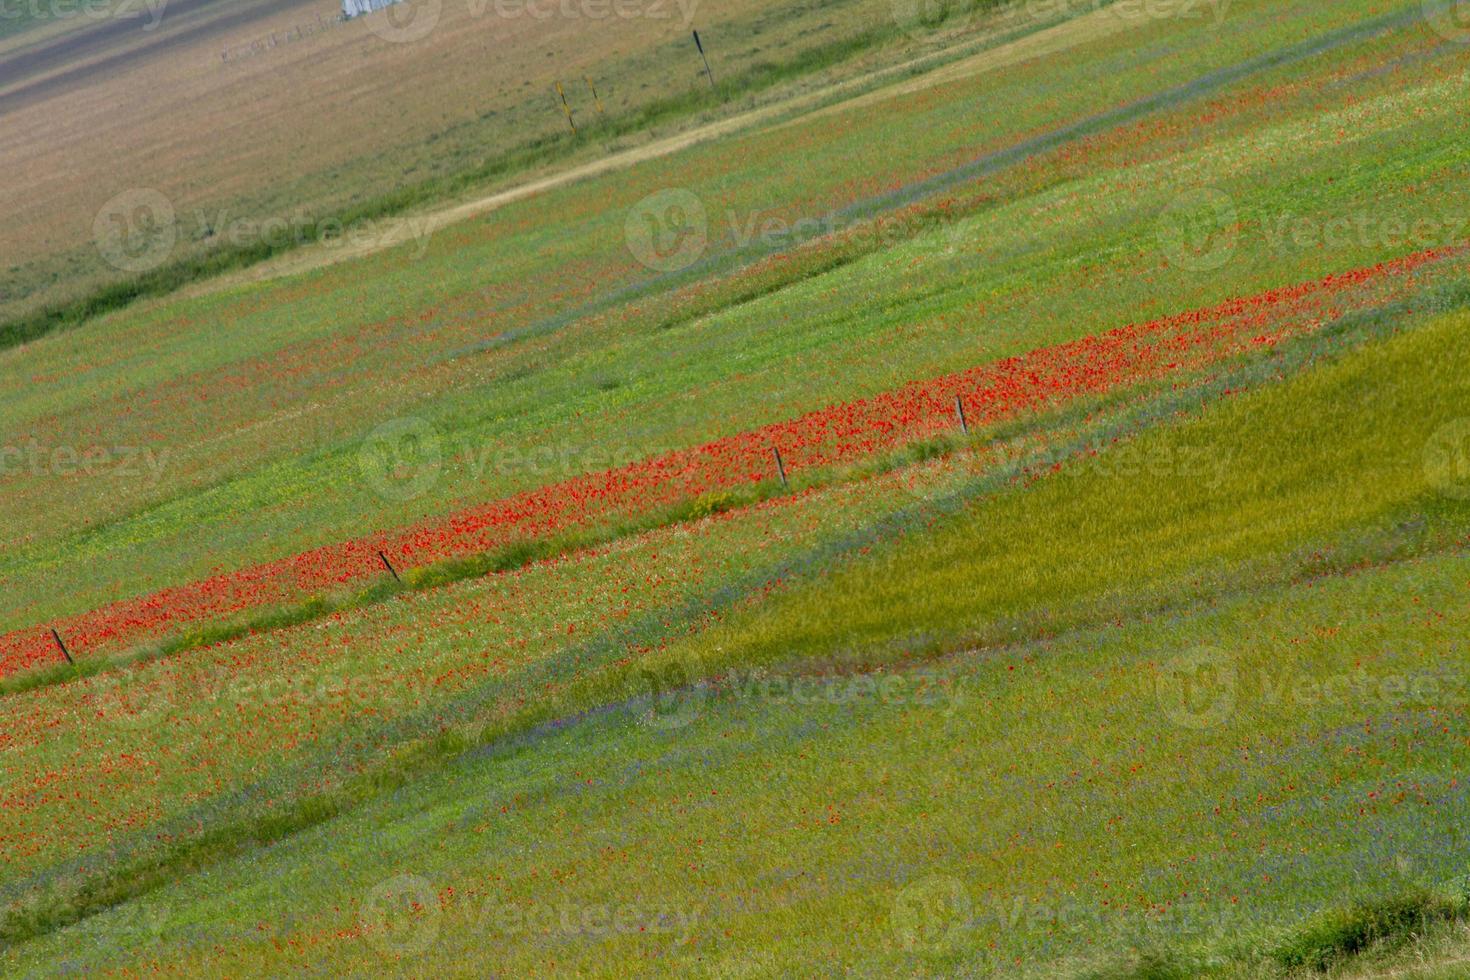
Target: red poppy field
x,y
1003,515
842,434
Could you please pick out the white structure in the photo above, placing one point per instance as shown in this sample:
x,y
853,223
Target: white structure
x,y
356,8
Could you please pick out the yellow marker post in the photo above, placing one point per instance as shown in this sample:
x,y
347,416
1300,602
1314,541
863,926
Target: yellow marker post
x,y
566,108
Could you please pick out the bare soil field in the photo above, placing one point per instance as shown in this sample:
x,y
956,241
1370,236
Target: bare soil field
x,y
136,31
306,114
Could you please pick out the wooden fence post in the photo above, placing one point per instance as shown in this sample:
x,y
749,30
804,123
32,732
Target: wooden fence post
x,y
64,651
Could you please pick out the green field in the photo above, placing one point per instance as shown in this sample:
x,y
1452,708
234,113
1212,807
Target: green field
x,y
1157,671
256,428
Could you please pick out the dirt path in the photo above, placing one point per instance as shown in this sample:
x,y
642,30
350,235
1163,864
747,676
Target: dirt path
x,y
816,104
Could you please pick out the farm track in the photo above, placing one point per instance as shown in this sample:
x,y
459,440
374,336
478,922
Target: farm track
x,y
826,101
715,261
801,109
